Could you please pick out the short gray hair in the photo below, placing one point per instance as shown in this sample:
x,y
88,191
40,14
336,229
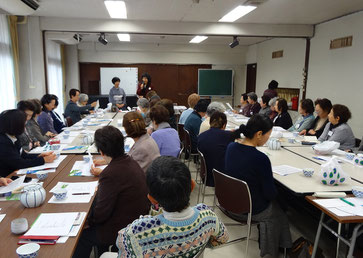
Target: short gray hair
x,y
83,97
272,102
252,96
215,106
143,103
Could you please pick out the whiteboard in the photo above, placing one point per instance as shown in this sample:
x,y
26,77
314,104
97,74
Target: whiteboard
x,y
127,75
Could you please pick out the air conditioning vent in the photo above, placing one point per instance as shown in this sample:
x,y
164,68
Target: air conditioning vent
x,y
31,3
341,42
278,54
255,2
19,7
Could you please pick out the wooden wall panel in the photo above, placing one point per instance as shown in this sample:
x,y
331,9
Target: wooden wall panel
x,y
171,81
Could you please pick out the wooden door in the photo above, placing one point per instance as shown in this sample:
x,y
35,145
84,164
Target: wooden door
x,y
251,78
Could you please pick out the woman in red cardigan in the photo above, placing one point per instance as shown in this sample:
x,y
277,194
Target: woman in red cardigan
x,y
144,87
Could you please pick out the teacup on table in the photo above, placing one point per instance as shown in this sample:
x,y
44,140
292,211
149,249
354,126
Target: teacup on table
x,y
28,250
65,136
19,226
308,172
86,158
42,175
60,194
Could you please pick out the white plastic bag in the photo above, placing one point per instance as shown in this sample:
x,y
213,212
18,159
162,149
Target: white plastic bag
x,y
326,147
332,173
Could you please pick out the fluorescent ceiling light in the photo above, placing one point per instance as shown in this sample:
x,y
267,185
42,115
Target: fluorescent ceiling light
x,y
237,13
116,9
198,39
123,37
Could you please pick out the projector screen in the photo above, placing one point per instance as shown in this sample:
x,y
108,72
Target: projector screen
x,y
127,75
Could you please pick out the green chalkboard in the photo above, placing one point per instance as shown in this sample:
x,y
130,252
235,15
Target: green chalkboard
x,y
215,82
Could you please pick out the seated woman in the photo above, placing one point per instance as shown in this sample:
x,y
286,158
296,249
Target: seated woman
x,y
213,144
145,149
33,127
144,106
283,118
192,101
45,119
26,140
306,110
12,156
245,106
254,105
83,101
166,138
337,129
265,108
322,108
168,104
245,162
121,196
212,107
57,120
272,104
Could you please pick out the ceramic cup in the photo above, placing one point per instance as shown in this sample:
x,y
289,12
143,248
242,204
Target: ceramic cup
x,y
28,250
295,134
86,158
308,172
67,131
291,140
19,226
60,194
349,156
65,136
42,175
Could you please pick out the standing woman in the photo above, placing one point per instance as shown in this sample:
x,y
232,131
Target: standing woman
x,y
245,162
145,86
12,156
45,119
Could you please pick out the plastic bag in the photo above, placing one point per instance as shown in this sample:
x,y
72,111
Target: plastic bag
x,y
332,173
326,147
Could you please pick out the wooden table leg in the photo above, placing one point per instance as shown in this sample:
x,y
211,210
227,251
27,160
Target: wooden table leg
x,y
318,235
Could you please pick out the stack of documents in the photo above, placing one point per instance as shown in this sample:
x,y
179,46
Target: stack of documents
x,y
49,167
48,228
76,192
285,170
352,206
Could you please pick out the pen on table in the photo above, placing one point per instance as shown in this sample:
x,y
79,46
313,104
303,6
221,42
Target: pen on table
x,y
80,193
319,158
351,204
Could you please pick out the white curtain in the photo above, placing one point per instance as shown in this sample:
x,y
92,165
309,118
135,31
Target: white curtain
x,y
55,73
7,78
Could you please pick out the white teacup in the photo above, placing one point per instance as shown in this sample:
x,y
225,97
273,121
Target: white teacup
x,y
19,226
28,250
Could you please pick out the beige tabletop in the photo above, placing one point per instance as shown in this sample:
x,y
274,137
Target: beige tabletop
x,y
297,182
356,172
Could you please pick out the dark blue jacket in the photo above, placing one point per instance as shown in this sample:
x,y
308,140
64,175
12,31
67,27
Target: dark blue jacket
x,y
192,125
57,122
12,157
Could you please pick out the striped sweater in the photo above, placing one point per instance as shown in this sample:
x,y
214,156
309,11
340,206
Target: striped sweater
x,y
159,237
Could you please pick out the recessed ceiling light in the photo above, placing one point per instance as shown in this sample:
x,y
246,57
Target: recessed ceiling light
x,y
116,9
237,13
198,39
123,37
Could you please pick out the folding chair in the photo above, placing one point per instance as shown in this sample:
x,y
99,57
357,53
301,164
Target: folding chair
x,y
234,197
203,177
188,149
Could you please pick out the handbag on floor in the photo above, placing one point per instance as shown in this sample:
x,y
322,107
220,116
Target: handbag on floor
x,y
303,248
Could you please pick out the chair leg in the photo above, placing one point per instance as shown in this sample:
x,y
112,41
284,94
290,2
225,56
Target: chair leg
x,y
285,253
199,191
248,232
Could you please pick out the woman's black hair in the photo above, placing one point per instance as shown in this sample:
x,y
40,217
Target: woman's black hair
x,y
218,120
273,85
282,105
265,99
110,141
148,77
169,183
307,105
342,112
56,101
256,123
73,92
47,98
325,104
245,97
12,122
115,79
25,105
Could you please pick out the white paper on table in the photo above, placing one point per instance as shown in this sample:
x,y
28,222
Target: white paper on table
x,y
287,135
52,224
66,141
285,170
72,199
310,139
42,149
342,207
12,186
339,212
81,168
62,240
84,187
54,164
97,106
2,216
76,228
129,142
